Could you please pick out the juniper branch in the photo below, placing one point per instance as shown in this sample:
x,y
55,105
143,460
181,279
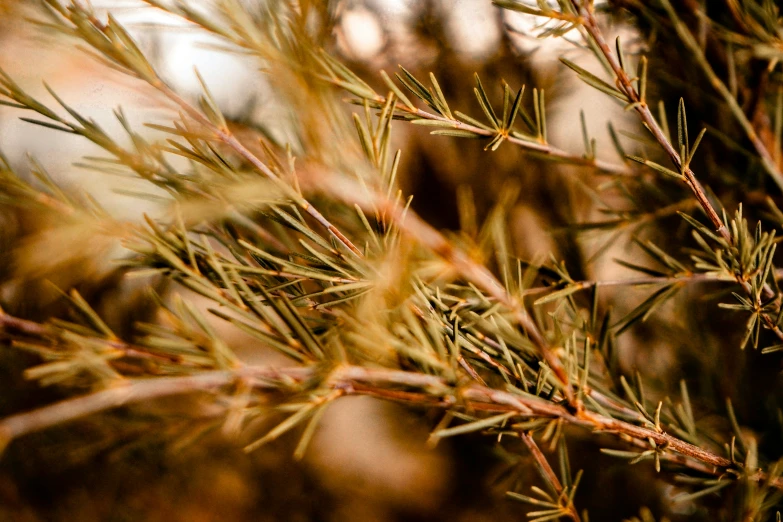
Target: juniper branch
x,y
549,474
537,147
625,84
355,380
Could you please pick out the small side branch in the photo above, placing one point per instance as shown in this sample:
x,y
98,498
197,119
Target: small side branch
x,y
548,474
536,147
625,83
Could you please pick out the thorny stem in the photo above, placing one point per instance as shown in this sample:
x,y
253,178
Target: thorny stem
x,y
641,281
548,473
624,83
356,380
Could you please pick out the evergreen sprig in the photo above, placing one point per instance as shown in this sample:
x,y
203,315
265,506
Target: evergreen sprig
x,y
372,300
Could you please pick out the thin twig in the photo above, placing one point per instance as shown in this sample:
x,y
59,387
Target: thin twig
x,y
537,147
634,281
547,473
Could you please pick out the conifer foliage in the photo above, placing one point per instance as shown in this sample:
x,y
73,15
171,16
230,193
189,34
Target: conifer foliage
x,y
310,247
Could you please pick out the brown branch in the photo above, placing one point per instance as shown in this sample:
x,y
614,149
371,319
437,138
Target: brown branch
x,y
422,389
625,85
548,474
352,379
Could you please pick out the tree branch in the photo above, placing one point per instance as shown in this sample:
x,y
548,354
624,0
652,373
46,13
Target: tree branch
x,y
625,84
548,473
408,387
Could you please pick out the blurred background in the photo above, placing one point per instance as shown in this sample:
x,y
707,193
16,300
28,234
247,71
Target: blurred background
x,y
370,460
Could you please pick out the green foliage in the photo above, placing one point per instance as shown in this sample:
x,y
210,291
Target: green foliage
x,y
323,261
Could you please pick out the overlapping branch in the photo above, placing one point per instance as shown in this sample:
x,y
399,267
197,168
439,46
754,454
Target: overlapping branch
x,y
469,345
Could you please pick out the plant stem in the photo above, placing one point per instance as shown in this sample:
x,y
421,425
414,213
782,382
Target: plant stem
x,y
547,473
541,148
624,83
356,380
